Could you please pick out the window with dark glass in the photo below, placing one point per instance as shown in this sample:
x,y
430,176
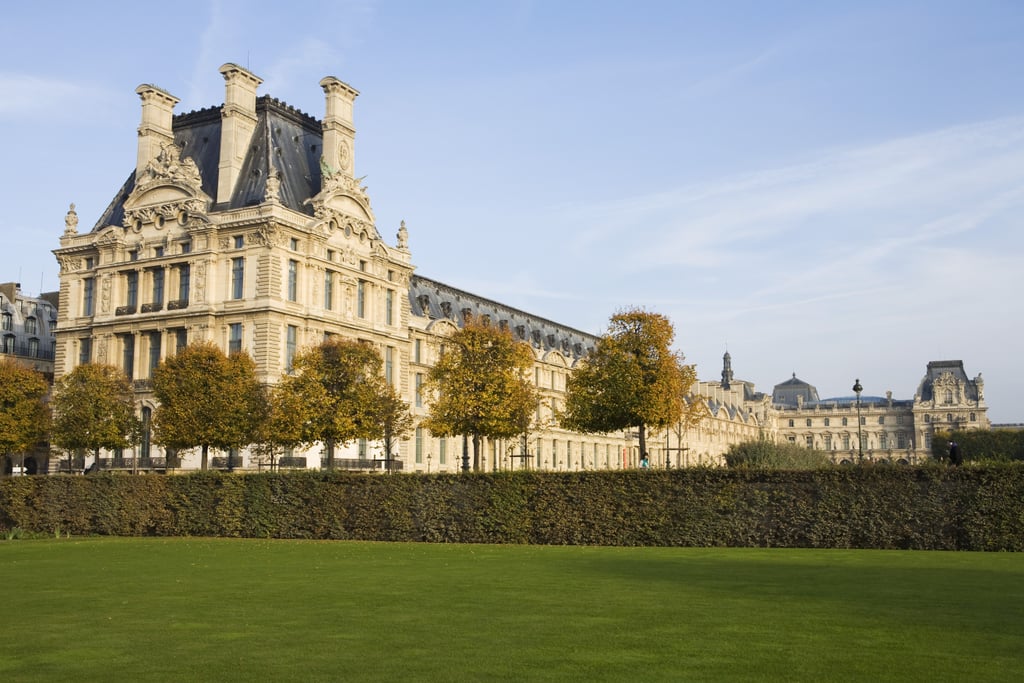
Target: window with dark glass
x,y
128,355
88,294
328,290
237,277
84,350
158,286
293,280
235,338
132,290
154,351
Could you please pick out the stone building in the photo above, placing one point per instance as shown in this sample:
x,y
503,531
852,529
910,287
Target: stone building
x,y
27,328
246,225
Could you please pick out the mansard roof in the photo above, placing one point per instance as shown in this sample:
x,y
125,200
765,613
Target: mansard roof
x,y
432,299
285,140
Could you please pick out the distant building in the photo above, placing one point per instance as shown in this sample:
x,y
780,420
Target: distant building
x,y
27,328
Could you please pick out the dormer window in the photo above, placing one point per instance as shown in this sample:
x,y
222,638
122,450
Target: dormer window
x,y
30,325
949,397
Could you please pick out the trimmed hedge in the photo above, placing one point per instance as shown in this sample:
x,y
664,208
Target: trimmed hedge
x,y
929,507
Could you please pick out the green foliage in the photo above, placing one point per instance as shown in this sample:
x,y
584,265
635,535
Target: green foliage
x,y
207,400
24,416
480,386
632,379
923,508
981,445
94,408
337,394
765,454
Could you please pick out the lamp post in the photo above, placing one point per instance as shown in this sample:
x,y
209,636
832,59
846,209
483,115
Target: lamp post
x,y
857,388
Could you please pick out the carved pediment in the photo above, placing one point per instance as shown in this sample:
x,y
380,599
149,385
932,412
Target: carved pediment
x,y
168,189
342,193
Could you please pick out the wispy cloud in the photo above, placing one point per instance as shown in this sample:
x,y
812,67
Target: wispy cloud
x,y
32,96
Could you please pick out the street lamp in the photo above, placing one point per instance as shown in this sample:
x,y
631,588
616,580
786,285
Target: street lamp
x,y
857,388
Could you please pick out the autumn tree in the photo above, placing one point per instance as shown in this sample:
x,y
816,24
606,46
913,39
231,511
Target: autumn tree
x,y
207,400
480,386
390,414
632,379
94,408
333,396
24,415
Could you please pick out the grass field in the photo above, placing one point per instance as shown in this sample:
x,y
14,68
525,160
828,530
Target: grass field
x,y
184,609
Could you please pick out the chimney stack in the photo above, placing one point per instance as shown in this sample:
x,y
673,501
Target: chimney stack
x,y
238,121
339,131
155,130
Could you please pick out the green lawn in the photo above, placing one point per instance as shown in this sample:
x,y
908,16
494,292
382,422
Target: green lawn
x,y
118,609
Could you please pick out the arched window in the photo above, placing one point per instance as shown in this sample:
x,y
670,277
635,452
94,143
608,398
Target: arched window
x,y
949,396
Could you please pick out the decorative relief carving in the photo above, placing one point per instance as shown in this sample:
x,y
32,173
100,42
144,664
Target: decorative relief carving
x,y
267,236
273,191
101,350
168,165
200,282
105,294
68,264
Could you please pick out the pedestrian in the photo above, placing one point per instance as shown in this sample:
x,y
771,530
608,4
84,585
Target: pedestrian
x,y
955,458
644,461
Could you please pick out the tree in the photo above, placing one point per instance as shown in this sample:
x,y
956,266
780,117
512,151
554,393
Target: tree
x,y
24,416
94,408
333,397
631,380
392,417
480,386
764,454
207,400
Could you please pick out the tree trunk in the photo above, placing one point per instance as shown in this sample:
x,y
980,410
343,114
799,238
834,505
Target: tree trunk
x,y
643,440
476,452
206,457
330,454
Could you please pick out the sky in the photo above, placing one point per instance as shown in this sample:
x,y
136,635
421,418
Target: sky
x,y
831,189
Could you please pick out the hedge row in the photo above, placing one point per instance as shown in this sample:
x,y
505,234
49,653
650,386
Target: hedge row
x,y
931,507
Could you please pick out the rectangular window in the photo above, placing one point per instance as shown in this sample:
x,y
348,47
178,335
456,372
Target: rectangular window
x,y
180,339
881,419
8,321
417,347
88,295
828,442
289,354
899,419
389,365
133,255
846,442
361,299
442,451
239,242
84,350
293,280
154,351
389,318
362,449
419,445
235,338
883,440
158,252
826,422
419,385
808,423
293,244
901,440
184,281
158,286
30,325
128,355
810,441
237,277
328,290
186,247
132,290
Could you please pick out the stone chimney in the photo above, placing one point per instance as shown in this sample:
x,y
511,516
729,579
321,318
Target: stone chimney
x,y
155,130
238,121
339,132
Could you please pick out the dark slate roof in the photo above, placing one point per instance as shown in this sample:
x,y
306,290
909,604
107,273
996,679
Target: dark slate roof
x,y
284,137
432,299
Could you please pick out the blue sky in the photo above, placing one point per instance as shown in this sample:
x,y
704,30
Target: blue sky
x,y
831,189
